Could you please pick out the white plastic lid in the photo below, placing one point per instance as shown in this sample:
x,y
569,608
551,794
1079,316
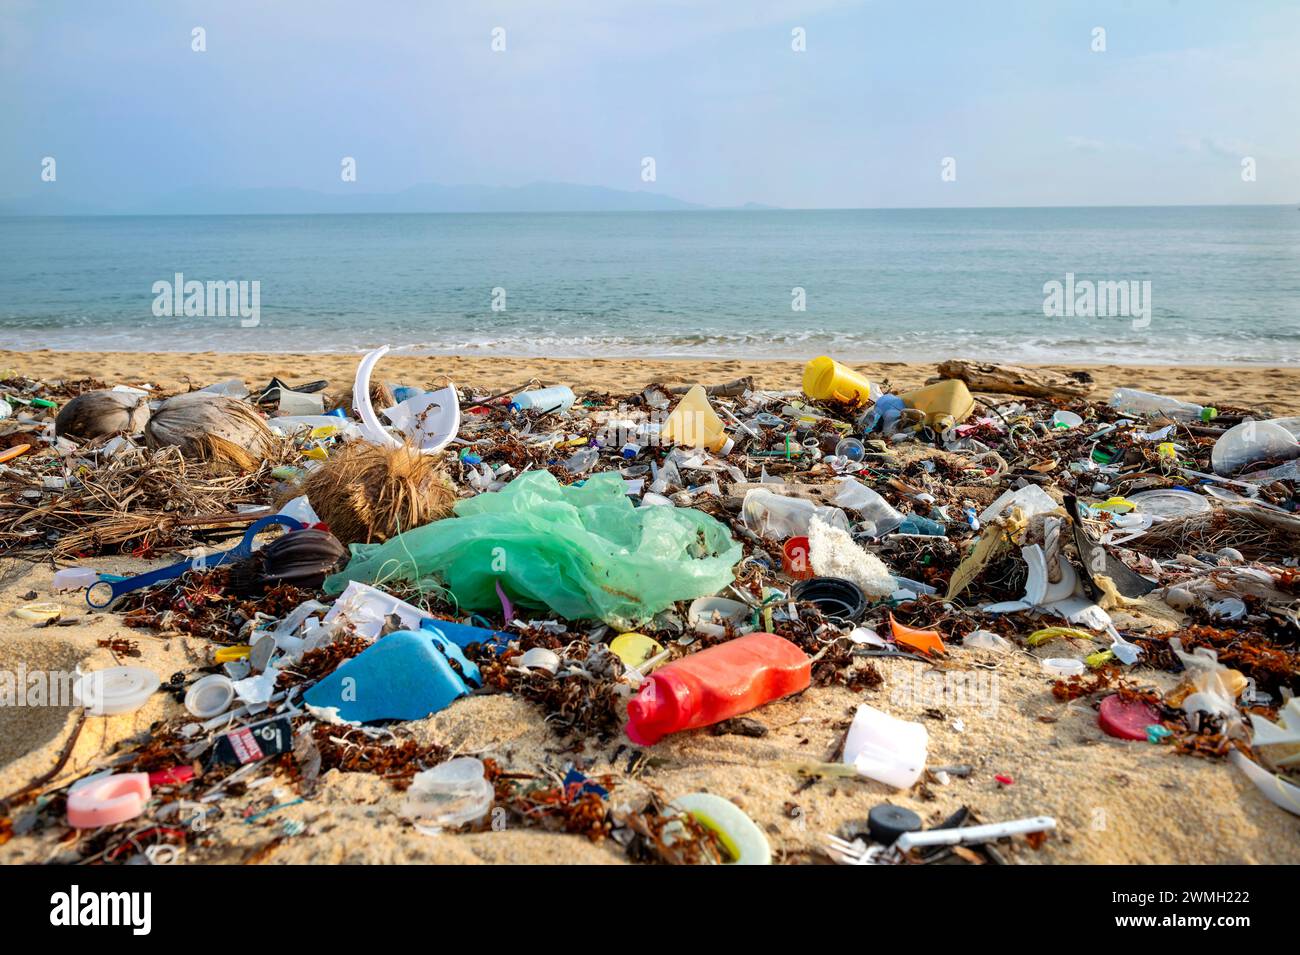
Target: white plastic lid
x,y
115,690
1169,503
210,696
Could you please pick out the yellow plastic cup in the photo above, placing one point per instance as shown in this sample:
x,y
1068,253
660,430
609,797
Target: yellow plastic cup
x,y
824,378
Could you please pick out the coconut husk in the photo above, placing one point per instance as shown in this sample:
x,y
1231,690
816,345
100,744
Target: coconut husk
x,y
366,493
303,558
96,414
224,432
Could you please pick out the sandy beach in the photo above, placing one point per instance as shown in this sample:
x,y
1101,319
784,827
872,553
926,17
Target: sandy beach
x,y
1115,802
1277,388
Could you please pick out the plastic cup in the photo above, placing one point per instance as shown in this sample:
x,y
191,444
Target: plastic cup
x,y
851,449
794,559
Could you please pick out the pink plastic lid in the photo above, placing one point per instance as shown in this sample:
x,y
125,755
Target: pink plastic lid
x,y
1126,720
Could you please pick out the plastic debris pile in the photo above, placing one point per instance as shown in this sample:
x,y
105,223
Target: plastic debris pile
x,y
640,566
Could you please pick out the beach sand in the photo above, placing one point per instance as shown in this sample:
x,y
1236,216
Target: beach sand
x,y
1249,385
1115,802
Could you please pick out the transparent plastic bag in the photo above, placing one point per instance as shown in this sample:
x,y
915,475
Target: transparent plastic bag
x,y
584,552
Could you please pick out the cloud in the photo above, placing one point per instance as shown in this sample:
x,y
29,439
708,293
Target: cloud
x,y
1084,145
1225,148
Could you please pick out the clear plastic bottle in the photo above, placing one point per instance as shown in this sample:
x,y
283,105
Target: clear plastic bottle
x,y
1144,403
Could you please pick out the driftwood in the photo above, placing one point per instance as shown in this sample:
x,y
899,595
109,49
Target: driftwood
x,y
1013,380
818,493
732,389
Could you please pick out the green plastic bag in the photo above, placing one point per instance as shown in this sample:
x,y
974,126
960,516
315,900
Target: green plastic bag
x,y
583,552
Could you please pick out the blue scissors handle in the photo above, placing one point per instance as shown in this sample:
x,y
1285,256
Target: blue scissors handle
x,y
111,590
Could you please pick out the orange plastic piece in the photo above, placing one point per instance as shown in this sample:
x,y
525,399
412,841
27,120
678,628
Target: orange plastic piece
x,y
928,642
8,454
716,684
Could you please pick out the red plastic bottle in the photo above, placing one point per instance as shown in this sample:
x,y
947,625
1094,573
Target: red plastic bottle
x,y
716,684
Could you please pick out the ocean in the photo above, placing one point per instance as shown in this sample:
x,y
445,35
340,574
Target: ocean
x,y
1169,284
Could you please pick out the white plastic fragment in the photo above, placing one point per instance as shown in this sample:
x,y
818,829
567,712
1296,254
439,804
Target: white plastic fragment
x,y
986,640
454,793
74,578
366,609
885,748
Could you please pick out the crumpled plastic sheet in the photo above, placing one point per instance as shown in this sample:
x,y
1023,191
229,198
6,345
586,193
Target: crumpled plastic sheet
x,y
582,551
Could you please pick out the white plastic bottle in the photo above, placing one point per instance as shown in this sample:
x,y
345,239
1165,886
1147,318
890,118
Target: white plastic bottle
x,y
559,398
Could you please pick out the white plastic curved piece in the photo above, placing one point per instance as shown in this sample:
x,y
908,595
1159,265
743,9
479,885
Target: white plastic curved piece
x,y
74,578
210,696
431,419
1063,666
1036,585
710,615
1281,738
371,428
1039,591
1275,789
539,658
454,793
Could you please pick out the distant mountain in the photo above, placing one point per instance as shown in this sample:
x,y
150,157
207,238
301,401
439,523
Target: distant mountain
x,y
430,197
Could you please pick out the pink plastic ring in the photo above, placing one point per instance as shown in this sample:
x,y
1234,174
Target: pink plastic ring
x,y
108,801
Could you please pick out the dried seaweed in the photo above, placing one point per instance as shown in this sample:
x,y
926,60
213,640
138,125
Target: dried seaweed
x,y
353,751
137,501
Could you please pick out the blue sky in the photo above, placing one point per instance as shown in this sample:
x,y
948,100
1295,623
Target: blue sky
x,y
713,91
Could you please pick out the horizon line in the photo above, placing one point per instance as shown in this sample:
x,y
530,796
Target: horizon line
x,y
694,211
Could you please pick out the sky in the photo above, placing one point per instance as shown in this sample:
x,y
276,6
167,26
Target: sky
x,y
584,90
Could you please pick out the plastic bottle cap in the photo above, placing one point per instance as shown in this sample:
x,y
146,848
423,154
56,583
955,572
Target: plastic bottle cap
x,y
887,822
115,690
210,696
1064,666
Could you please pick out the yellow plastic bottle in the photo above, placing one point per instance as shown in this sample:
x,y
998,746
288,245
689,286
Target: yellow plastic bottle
x,y
945,402
824,378
694,423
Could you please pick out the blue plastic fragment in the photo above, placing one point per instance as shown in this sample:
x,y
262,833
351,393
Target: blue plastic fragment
x,y
462,634
576,784
404,676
